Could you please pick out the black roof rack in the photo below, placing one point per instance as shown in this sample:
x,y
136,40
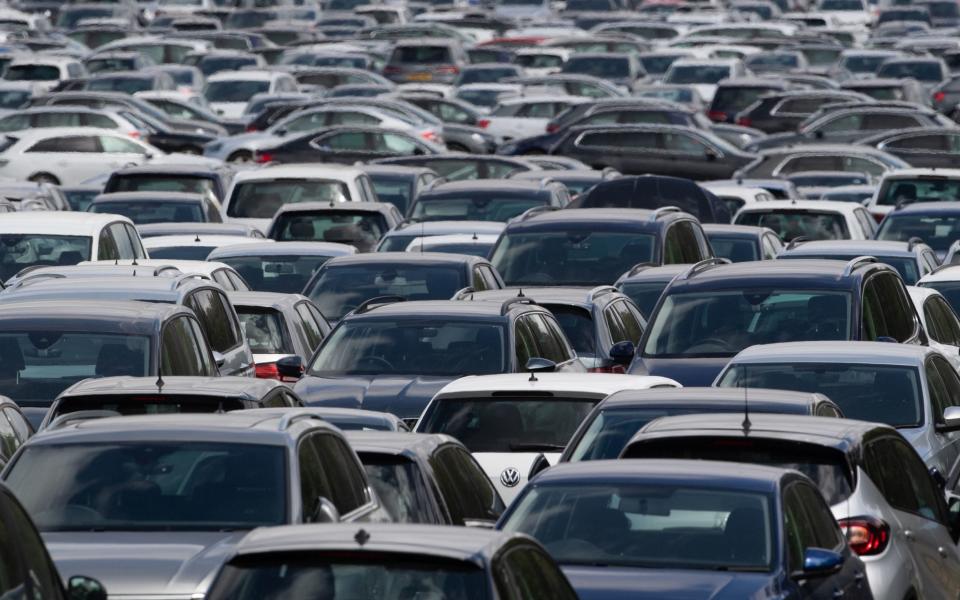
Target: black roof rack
x,y
600,290
856,262
372,303
796,242
640,267
509,302
700,266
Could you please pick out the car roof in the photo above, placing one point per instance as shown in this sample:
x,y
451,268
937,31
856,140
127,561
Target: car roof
x,y
403,258
106,316
162,196
761,399
295,171
911,173
926,208
167,241
246,75
852,248
443,227
225,386
445,309
821,274
170,169
488,185
304,207
613,219
835,352
274,300
652,272
846,208
146,289
270,248
596,384
750,231
62,223
398,443
946,273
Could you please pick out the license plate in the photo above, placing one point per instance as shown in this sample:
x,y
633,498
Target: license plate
x,y
420,76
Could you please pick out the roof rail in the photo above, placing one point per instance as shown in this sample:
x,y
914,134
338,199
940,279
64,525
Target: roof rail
x,y
462,292
640,267
433,183
81,415
943,267
368,305
609,172
912,243
545,181
796,242
532,212
35,278
700,266
664,210
509,302
26,270
600,290
292,416
856,262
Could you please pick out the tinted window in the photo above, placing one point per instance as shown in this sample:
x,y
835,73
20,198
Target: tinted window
x,y
488,206
265,330
180,352
466,490
788,224
214,313
345,475
143,213
262,199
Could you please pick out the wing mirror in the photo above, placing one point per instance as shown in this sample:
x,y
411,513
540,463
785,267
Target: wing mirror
x,y
951,417
280,132
818,562
818,134
290,367
81,587
622,353
953,515
324,511
710,154
540,365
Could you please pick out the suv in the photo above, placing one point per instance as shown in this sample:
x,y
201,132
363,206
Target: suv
x,y
784,111
188,487
735,95
438,60
909,186
932,222
655,191
713,311
593,246
393,356
192,179
487,200
912,259
810,219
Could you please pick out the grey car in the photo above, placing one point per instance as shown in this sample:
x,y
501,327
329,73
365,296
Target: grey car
x,y
153,504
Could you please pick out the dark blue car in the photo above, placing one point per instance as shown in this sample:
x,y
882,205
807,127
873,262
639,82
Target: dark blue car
x,y
672,530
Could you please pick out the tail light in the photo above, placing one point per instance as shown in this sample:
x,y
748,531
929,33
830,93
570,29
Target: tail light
x,y
263,157
251,128
391,70
135,135
267,371
867,536
878,217
744,122
430,136
552,127
483,123
939,97
716,115
452,69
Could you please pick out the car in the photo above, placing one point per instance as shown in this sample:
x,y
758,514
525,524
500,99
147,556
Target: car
x,y
222,476
736,95
746,530
44,72
230,229
399,185
344,283
456,166
419,560
414,475
922,147
905,386
605,431
487,200
404,233
345,144
939,321
516,427
657,149
116,396
434,60
360,224
106,338
281,267
931,222
189,179
912,259
218,272
929,72
194,247
228,92
67,116
783,112
356,367
653,192
525,116
742,243
945,280
906,186
208,300
130,82
811,185
712,311
622,69
908,90
784,161
349,419
117,61
593,246
704,75
255,195
811,219
158,207
602,324
29,239
874,481
644,283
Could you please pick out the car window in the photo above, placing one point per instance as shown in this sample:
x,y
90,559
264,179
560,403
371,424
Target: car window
x,y
30,563
124,247
635,140
8,439
681,245
529,574
819,518
901,476
939,398
464,486
20,425
799,533
212,311
135,241
950,379
551,348
74,143
799,107
888,121
117,145
349,140
313,477
180,350
897,307
841,124
683,144
617,331
344,473
311,327
630,321
932,142
526,345
107,248
948,326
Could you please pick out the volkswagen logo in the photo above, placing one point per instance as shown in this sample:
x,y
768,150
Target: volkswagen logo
x,y
510,477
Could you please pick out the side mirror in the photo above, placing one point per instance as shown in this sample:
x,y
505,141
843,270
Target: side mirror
x,y
280,132
81,587
622,353
324,511
290,367
818,134
711,155
418,151
951,417
540,365
219,359
818,562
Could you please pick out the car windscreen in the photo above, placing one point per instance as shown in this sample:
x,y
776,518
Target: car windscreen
x,y
577,325
262,199
721,323
146,213
152,486
79,200
604,68
881,92
905,265
155,182
737,98
880,393
921,71
826,466
401,487
14,99
395,190
540,61
658,526
509,423
578,257
899,190
736,249
480,97
426,346
269,273
937,231
864,63
644,294
234,90
361,228
486,206
792,223
657,64
147,404
329,575
481,249
21,250
265,330
126,85
31,73
338,290
696,74
192,252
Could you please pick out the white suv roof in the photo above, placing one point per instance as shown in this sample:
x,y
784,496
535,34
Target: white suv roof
x,y
945,273
835,352
58,223
336,173
251,75
600,384
905,173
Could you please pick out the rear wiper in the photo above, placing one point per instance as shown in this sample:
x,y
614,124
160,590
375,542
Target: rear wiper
x,y
537,447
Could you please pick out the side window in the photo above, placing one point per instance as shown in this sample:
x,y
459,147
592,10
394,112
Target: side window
x,y
932,318
897,308
820,519
550,347
951,380
843,123
17,531
526,347
8,440
672,247
124,248
79,143
313,479
929,501
467,491
135,241
107,246
629,320
939,397
118,145
771,246
12,580
532,576
684,248
180,352
947,321
882,464
478,282
680,143
311,328
798,532
867,224
200,341
348,483
20,424
211,310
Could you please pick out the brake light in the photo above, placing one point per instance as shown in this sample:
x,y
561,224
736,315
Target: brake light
x,y
939,97
430,136
483,123
263,157
135,135
717,115
391,69
267,371
878,217
867,536
744,122
553,127
453,69
251,128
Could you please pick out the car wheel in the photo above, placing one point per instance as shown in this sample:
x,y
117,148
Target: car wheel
x,y
45,178
241,157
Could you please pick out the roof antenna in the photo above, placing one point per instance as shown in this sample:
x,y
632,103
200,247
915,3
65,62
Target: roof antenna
x,y
160,382
520,293
421,237
475,238
197,238
533,376
746,407
362,537
135,263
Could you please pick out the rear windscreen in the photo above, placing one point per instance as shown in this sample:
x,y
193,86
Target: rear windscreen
x,y
147,404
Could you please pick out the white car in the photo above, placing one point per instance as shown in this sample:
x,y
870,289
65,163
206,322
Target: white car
x,y
64,238
538,62
256,195
45,70
907,186
812,219
738,196
170,249
67,116
228,92
527,116
939,321
518,424
474,244
224,274
704,75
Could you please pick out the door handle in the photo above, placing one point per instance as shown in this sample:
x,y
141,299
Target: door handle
x,y
909,535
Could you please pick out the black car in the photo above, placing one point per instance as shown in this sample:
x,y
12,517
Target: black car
x,y
653,192
487,200
394,356
342,284
117,396
593,246
398,239
933,223
411,474
360,224
346,144
608,428
169,178
657,149
742,243
645,282
713,311
399,185
922,147
455,166
144,208
735,95
784,111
